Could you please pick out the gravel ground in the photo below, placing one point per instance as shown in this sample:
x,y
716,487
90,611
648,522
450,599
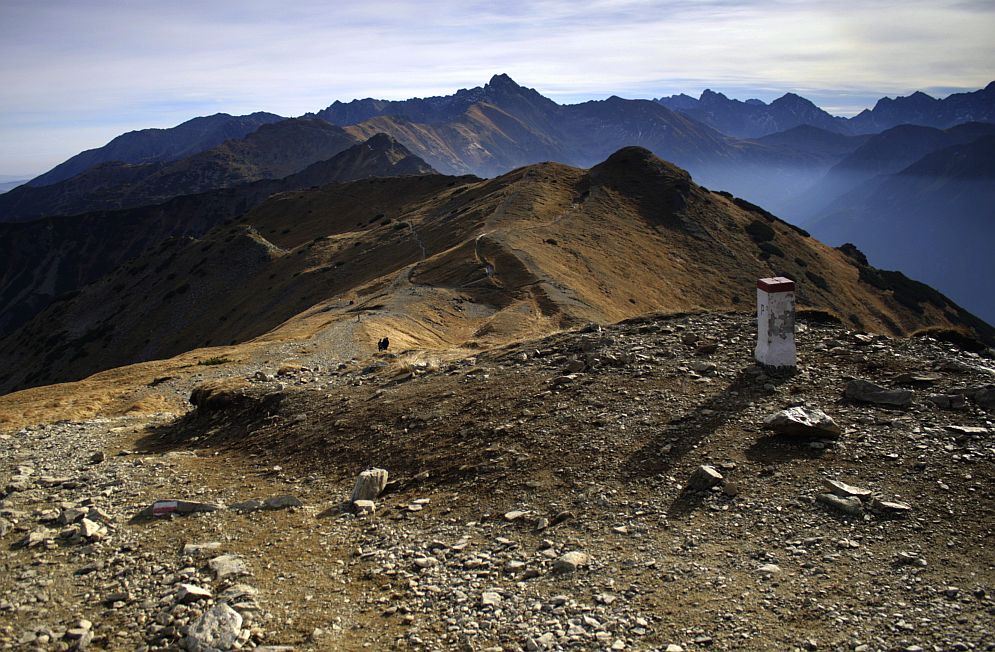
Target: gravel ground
x,y
538,499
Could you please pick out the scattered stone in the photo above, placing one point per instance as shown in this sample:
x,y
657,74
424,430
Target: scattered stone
x,y
238,592
571,561
35,538
91,531
225,566
984,396
217,629
918,380
490,599
201,550
561,517
970,431
276,502
844,490
803,422
282,502
364,507
704,478
166,507
188,593
70,516
369,484
889,507
850,505
80,635
868,392
514,515
769,569
909,559
948,401
97,457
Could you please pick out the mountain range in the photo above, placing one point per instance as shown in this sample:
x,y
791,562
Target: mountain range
x,y
483,131
755,118
436,261
181,183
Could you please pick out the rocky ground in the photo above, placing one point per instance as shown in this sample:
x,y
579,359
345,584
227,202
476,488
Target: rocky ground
x,y
605,489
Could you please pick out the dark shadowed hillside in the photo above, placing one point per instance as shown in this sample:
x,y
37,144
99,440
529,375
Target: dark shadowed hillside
x,y
160,145
883,154
273,151
934,220
47,260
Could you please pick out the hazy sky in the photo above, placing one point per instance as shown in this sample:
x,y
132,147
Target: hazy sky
x,y
75,73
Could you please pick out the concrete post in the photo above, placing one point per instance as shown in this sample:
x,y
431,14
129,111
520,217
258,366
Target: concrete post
x,y
776,322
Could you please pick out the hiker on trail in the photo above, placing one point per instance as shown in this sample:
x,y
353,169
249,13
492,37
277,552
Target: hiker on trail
x,y
383,344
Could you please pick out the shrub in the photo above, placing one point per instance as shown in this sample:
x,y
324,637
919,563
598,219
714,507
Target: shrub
x,y
215,360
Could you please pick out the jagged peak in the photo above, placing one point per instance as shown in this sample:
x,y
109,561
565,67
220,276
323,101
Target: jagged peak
x,y
709,93
502,80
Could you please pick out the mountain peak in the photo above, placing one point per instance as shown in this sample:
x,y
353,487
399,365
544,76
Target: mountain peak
x,y
794,98
381,140
712,95
502,80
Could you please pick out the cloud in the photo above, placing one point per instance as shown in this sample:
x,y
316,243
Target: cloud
x,y
101,67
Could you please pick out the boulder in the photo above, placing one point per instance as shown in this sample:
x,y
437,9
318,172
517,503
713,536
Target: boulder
x,y
850,505
282,502
865,391
984,396
844,490
187,593
369,484
216,629
225,566
166,507
704,478
889,507
363,507
571,561
803,422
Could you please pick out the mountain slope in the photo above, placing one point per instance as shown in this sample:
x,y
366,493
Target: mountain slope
x,y
160,145
436,262
922,109
271,152
934,220
827,145
46,259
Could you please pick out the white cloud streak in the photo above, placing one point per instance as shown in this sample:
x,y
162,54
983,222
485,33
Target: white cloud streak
x,y
74,74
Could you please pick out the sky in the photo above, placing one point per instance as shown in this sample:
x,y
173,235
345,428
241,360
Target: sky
x,y
74,74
